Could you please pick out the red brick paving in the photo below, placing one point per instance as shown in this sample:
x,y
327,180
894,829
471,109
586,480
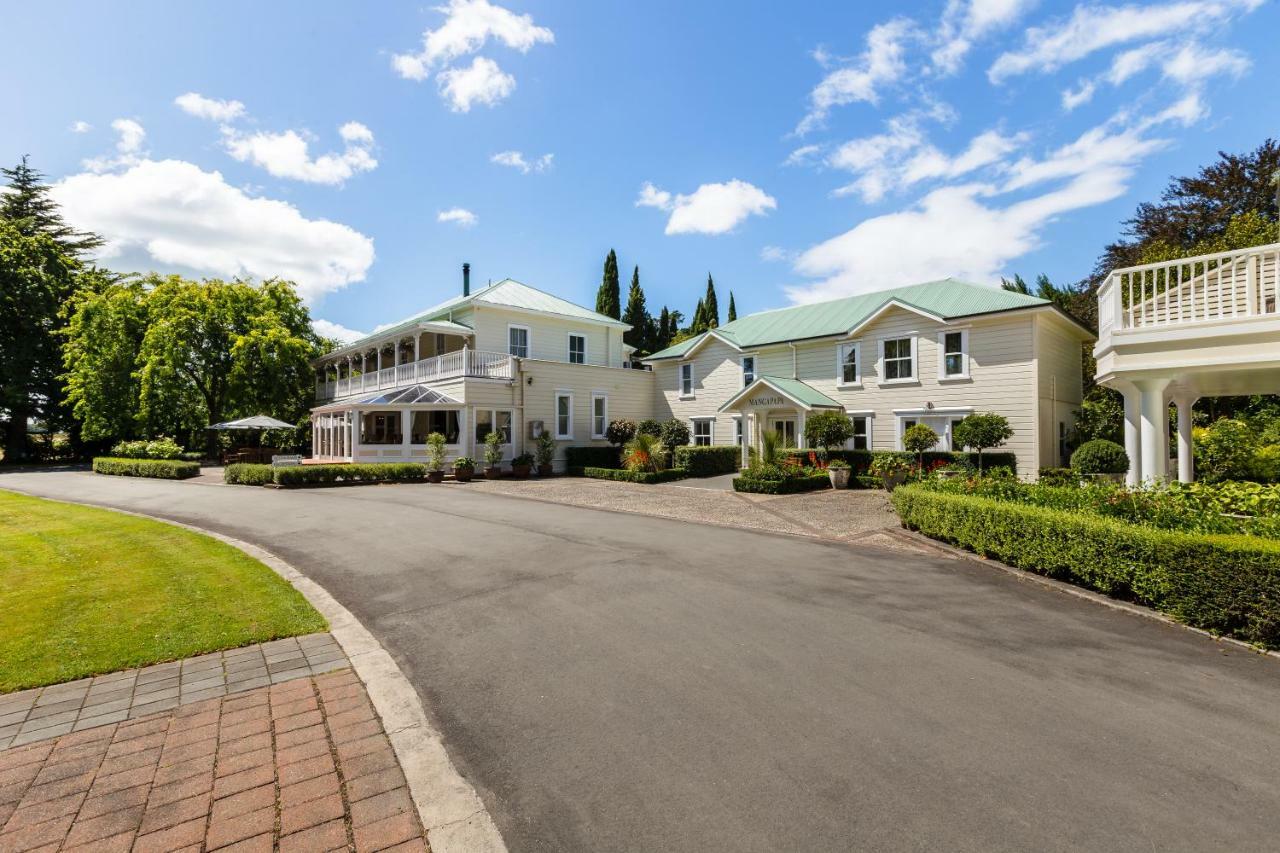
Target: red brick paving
x,y
301,765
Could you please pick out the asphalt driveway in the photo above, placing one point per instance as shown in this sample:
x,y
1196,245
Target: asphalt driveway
x,y
620,682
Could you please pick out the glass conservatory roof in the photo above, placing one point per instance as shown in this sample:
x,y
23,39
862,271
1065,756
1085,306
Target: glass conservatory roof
x,y
400,396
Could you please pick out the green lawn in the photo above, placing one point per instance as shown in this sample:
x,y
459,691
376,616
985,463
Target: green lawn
x,y
85,591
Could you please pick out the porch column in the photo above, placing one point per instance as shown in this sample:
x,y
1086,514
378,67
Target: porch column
x,y
355,434
800,416
417,347
744,453
1186,459
1155,431
406,422
1132,433
398,348
314,454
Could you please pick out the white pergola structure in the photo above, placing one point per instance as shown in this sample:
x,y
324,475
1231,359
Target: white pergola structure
x,y
1175,331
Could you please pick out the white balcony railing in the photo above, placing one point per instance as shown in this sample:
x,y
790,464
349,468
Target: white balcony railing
x,y
464,362
1220,287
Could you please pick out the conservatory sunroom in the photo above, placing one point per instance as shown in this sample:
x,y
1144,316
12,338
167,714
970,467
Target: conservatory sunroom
x,y
389,426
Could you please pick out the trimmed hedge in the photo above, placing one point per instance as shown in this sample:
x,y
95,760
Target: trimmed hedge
x,y
709,460
160,469
1227,585
248,474
860,460
329,475
646,477
791,485
587,456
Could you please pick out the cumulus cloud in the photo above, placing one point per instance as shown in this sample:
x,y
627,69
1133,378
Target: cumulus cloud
x,y
130,137
882,62
193,103
459,216
287,154
710,209
517,160
334,331
468,27
173,215
80,127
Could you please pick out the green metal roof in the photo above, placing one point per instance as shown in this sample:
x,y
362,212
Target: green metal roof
x,y
800,392
949,298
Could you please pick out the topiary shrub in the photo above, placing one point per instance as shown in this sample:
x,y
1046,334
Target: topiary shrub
x,y
827,430
649,426
1100,457
750,483
981,431
620,431
675,433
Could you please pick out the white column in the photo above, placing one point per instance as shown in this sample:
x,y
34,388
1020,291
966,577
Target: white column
x,y
1132,433
314,438
406,422
417,347
746,453
355,434
1186,461
800,428
1155,431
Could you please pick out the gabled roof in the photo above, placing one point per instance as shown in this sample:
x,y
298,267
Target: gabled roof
x,y
802,394
947,299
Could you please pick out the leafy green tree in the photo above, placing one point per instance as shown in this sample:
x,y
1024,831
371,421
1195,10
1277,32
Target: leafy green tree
x,y
982,431
828,430
710,308
918,439
699,323
609,296
637,316
107,318
733,310
1101,415
675,433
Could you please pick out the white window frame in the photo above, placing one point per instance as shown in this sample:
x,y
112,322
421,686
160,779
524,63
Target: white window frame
x,y
569,350
604,428
841,349
914,378
555,414
693,431
528,340
685,395
869,417
943,376
493,424
742,364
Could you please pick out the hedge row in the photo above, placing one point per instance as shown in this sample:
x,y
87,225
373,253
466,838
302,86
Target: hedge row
x,y
860,460
248,474
709,460
592,457
646,477
161,469
791,485
1224,584
327,475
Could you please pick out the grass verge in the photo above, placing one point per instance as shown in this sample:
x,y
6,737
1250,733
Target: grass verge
x,y
85,591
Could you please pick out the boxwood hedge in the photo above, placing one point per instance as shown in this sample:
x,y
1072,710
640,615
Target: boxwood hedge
x,y
589,456
248,474
1229,585
791,485
647,477
162,469
860,460
330,475
709,460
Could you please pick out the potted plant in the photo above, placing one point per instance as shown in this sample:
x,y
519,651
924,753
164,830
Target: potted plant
x,y
839,471
545,451
892,470
435,458
493,456
521,465
464,467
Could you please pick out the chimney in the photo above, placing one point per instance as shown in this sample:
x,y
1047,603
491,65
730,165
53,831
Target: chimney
x,y
466,279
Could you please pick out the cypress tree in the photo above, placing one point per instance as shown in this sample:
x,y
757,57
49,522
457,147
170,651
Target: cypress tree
x,y
733,311
711,310
608,297
637,316
664,330
699,324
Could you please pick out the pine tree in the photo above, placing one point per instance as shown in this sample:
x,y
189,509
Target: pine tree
x,y
26,203
699,324
608,297
637,316
733,310
664,330
711,310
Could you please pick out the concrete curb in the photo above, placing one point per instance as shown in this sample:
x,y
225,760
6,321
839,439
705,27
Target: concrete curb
x,y
452,813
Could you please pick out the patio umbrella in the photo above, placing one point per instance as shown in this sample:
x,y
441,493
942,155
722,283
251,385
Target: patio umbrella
x,y
257,422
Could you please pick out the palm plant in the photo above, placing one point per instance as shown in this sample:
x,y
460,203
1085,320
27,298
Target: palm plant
x,y
642,452
770,441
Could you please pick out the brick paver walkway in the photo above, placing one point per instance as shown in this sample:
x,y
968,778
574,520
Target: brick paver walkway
x,y
300,765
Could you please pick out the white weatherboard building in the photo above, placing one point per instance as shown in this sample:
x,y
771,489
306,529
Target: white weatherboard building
x,y
518,360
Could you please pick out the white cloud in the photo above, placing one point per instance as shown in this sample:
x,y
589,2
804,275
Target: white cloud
x,y
80,127
1193,63
334,331
1093,28
881,63
966,21
1188,65
286,154
128,147
774,254
1082,94
710,209
173,215
516,160
213,109
459,215
481,82
803,156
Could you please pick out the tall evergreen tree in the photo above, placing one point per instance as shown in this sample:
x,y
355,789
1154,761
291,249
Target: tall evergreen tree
x,y
637,316
664,330
609,296
733,309
699,323
26,204
710,309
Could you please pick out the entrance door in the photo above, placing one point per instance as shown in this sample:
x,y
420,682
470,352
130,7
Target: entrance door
x,y
786,430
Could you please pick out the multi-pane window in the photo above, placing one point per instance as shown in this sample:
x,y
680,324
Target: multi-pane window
x,y
702,431
518,341
848,360
577,349
686,380
861,435
564,416
599,415
953,354
737,431
489,420
748,370
443,421
898,363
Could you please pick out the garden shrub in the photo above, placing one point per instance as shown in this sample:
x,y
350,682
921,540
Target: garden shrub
x,y
328,475
1059,477
646,477
649,426
161,469
1224,584
248,474
620,431
1224,450
592,457
860,460
804,482
709,460
982,431
675,433
160,448
1100,457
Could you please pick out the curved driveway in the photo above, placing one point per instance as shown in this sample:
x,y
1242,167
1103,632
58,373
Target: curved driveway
x,y
618,682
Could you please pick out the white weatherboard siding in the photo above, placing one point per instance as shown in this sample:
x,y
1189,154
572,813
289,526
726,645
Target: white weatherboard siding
x,y
629,394
1060,373
548,335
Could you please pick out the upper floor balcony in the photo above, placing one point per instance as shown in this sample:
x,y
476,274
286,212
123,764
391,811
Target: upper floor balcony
x,y
451,365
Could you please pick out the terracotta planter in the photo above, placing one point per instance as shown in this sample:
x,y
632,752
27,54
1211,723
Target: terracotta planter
x,y
544,470
839,477
492,472
463,475
435,476
520,472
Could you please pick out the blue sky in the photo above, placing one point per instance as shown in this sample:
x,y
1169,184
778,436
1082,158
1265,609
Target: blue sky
x,y
367,150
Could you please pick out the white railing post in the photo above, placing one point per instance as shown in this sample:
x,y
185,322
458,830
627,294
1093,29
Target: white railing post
x,y
1251,285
